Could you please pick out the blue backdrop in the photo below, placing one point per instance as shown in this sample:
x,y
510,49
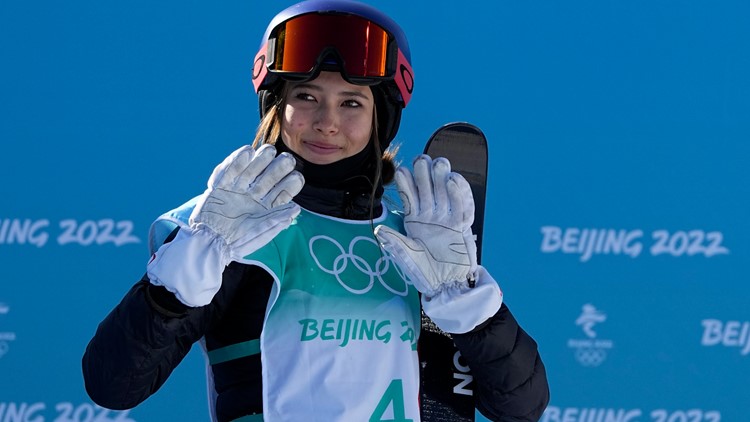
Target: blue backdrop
x,y
618,201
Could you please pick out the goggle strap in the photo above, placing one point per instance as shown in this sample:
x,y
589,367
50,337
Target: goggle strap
x,y
404,77
260,66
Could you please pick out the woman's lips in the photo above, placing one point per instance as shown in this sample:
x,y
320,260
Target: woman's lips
x,y
321,147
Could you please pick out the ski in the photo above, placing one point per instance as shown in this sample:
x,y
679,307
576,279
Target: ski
x,y
447,385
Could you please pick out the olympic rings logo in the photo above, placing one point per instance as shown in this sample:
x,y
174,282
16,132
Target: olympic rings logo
x,y
590,356
353,279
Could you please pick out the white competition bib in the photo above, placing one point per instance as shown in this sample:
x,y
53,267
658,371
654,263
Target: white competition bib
x,y
340,336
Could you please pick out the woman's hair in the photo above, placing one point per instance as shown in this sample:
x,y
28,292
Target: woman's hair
x,y
269,130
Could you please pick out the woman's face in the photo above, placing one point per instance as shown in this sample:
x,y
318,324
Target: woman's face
x,y
327,119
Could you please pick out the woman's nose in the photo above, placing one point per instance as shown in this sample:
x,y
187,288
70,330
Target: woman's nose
x,y
326,120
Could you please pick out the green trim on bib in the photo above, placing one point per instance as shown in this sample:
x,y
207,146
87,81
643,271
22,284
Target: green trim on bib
x,y
250,418
234,351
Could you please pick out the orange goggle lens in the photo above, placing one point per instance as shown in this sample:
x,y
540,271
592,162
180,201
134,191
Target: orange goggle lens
x,y
300,43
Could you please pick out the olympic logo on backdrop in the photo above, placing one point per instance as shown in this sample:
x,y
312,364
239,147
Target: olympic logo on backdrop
x,y
590,351
5,337
353,281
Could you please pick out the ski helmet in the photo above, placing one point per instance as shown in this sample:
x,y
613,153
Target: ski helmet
x,y
366,46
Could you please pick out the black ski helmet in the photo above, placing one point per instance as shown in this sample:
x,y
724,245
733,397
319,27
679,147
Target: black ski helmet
x,y
366,46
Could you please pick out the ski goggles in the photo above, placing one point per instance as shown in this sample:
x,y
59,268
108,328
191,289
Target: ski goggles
x,y
365,52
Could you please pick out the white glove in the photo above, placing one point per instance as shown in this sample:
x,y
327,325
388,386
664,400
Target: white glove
x,y
248,200
439,253
438,250
247,203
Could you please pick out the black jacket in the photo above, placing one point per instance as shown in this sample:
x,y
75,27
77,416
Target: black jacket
x,y
145,337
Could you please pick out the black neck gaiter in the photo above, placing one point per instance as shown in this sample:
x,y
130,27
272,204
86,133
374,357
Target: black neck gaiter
x,y
342,189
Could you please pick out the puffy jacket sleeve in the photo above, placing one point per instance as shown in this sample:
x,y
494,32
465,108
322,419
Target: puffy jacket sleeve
x,y
143,339
509,376
135,348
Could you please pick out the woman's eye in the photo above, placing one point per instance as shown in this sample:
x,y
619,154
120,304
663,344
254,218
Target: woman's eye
x,y
304,96
351,103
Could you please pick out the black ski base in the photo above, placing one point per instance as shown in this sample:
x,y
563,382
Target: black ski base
x,y
447,384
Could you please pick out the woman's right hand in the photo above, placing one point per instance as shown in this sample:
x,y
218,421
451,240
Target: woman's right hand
x,y
247,203
249,199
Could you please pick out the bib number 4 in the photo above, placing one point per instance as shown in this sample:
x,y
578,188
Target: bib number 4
x,y
393,398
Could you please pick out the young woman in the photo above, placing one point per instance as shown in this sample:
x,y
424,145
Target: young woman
x,y
303,289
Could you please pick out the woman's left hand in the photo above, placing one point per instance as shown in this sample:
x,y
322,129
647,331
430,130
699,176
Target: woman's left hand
x,y
439,249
